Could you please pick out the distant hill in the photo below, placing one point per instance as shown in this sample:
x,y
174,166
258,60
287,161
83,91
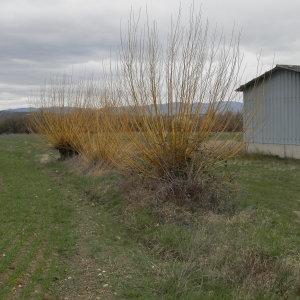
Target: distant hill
x,y
18,110
233,106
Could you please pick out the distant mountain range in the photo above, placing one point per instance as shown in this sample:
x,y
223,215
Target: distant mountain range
x,y
233,106
18,110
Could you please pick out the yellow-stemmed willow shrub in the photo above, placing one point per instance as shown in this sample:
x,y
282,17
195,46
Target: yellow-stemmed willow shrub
x,y
173,91
158,113
72,114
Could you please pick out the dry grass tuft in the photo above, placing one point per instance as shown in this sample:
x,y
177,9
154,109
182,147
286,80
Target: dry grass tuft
x,y
81,166
179,200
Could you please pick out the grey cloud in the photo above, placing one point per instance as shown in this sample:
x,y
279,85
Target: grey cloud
x,y
272,25
38,38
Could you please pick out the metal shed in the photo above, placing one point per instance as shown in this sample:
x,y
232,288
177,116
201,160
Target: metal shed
x,y
272,112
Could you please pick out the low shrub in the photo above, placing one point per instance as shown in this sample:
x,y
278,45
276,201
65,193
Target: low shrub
x,y
181,199
14,123
229,122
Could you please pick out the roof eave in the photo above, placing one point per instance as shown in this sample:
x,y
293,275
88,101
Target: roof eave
x,y
256,79
293,68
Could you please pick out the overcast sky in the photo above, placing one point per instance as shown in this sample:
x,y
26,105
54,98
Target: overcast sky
x,y
41,37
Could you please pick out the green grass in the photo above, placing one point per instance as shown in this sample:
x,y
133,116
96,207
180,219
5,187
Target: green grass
x,y
36,220
65,234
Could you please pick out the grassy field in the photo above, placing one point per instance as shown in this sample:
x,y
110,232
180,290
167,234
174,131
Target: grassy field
x,y
66,235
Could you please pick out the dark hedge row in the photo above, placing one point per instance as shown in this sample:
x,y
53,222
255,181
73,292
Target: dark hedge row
x,y
17,122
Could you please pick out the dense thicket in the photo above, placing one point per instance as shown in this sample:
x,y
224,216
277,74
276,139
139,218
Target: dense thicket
x,y
17,122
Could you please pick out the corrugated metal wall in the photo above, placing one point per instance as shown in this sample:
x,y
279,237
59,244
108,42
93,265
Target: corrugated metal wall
x,y
272,110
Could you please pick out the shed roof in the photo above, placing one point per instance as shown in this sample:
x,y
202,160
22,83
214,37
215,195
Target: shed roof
x,y
295,68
